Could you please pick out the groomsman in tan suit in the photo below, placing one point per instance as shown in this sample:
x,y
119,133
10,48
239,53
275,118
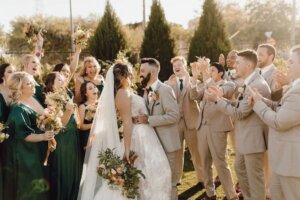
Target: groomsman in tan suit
x,y
283,118
163,114
250,129
189,116
212,136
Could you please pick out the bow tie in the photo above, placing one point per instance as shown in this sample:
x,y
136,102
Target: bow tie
x,y
148,90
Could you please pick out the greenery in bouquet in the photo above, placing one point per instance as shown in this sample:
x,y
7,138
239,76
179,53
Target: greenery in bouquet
x,y
81,37
119,173
31,30
3,136
90,111
57,99
50,120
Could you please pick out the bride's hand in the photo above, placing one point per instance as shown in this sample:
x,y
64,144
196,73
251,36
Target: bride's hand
x,y
126,157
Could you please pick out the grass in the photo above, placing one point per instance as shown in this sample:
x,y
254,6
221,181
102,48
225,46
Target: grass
x,y
187,189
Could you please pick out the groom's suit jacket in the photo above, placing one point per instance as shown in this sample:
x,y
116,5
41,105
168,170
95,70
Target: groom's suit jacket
x,y
251,132
284,135
164,116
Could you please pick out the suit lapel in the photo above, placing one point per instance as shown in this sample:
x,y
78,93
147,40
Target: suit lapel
x,y
152,103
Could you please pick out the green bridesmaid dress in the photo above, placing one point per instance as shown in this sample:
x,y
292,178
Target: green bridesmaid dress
x,y
23,172
65,163
3,117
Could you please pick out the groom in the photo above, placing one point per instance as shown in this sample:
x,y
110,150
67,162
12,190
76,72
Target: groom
x,y
163,113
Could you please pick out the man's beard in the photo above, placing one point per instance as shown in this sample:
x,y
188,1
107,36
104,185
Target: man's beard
x,y
145,80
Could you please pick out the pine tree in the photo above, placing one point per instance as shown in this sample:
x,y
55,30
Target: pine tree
x,y
210,38
108,39
157,42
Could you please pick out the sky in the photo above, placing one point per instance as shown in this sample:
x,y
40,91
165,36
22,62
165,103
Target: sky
x,y
129,11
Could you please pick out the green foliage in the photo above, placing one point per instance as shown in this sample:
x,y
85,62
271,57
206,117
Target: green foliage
x,y
108,39
210,39
157,41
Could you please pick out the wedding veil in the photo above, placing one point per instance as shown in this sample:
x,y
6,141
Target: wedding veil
x,y
105,134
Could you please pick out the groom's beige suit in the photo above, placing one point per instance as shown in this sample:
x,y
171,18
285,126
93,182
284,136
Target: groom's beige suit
x,y
164,117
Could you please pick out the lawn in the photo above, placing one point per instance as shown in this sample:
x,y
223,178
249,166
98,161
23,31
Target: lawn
x,y
187,190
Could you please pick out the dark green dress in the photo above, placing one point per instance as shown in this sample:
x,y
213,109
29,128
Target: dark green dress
x,y
39,93
65,163
84,136
3,117
24,174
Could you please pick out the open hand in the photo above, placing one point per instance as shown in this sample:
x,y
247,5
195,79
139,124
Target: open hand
x,y
255,95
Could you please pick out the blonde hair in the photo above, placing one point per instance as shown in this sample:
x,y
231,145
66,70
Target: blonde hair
x,y
90,60
26,59
181,58
15,83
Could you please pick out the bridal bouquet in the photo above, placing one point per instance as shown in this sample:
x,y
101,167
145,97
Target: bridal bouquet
x,y
50,120
3,136
81,37
119,173
31,29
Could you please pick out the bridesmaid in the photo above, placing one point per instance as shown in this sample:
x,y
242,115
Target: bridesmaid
x,y
31,64
90,94
23,159
89,72
65,163
6,70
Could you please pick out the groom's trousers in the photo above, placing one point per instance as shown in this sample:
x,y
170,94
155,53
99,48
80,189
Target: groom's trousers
x,y
172,158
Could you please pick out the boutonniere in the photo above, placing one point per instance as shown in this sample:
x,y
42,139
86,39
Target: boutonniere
x,y
154,95
241,91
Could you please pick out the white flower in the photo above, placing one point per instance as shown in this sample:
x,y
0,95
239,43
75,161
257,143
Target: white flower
x,y
241,90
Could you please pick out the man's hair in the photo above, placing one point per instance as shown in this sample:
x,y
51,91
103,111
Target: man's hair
x,y
249,55
152,62
296,49
270,49
219,67
181,58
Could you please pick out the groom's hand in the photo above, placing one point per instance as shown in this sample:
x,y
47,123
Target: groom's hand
x,y
142,119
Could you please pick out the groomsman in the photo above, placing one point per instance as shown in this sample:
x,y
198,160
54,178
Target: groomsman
x,y
212,136
283,118
163,114
250,129
266,54
189,116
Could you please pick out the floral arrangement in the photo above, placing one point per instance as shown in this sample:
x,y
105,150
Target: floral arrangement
x,y
154,95
31,30
119,173
50,120
57,99
81,37
3,136
90,111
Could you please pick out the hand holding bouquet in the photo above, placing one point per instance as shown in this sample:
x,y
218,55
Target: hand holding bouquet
x,y
81,37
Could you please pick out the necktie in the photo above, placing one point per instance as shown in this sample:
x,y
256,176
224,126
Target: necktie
x,y
181,84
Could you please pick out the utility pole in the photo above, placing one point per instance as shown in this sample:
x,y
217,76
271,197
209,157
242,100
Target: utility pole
x,y
71,28
144,14
293,32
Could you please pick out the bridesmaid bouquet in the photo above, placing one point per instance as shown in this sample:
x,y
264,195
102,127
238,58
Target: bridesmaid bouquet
x,y
57,99
81,37
90,111
50,121
119,173
3,136
31,29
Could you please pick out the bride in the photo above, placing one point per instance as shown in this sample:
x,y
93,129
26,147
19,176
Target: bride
x,y
117,97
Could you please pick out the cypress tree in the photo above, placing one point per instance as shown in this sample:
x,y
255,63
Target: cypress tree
x,y
157,42
210,38
108,39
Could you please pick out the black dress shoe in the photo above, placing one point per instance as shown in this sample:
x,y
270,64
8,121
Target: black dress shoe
x,y
209,198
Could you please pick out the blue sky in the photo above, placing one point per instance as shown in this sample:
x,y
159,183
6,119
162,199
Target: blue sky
x,y
178,11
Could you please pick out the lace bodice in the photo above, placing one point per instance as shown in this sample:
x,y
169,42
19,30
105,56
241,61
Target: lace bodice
x,y
138,105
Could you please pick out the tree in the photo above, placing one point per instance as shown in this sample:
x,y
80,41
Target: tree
x,y
108,38
157,42
210,39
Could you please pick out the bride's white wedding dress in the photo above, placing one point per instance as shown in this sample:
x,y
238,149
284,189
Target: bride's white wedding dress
x,y
151,160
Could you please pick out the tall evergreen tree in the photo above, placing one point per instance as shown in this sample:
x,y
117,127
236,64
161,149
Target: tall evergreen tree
x,y
157,42
210,38
108,39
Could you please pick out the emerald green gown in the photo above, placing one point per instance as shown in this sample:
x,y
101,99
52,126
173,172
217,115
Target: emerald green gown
x,y
3,117
65,163
24,174
39,93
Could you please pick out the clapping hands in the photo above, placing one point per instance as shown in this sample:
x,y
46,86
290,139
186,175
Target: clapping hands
x,y
255,96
